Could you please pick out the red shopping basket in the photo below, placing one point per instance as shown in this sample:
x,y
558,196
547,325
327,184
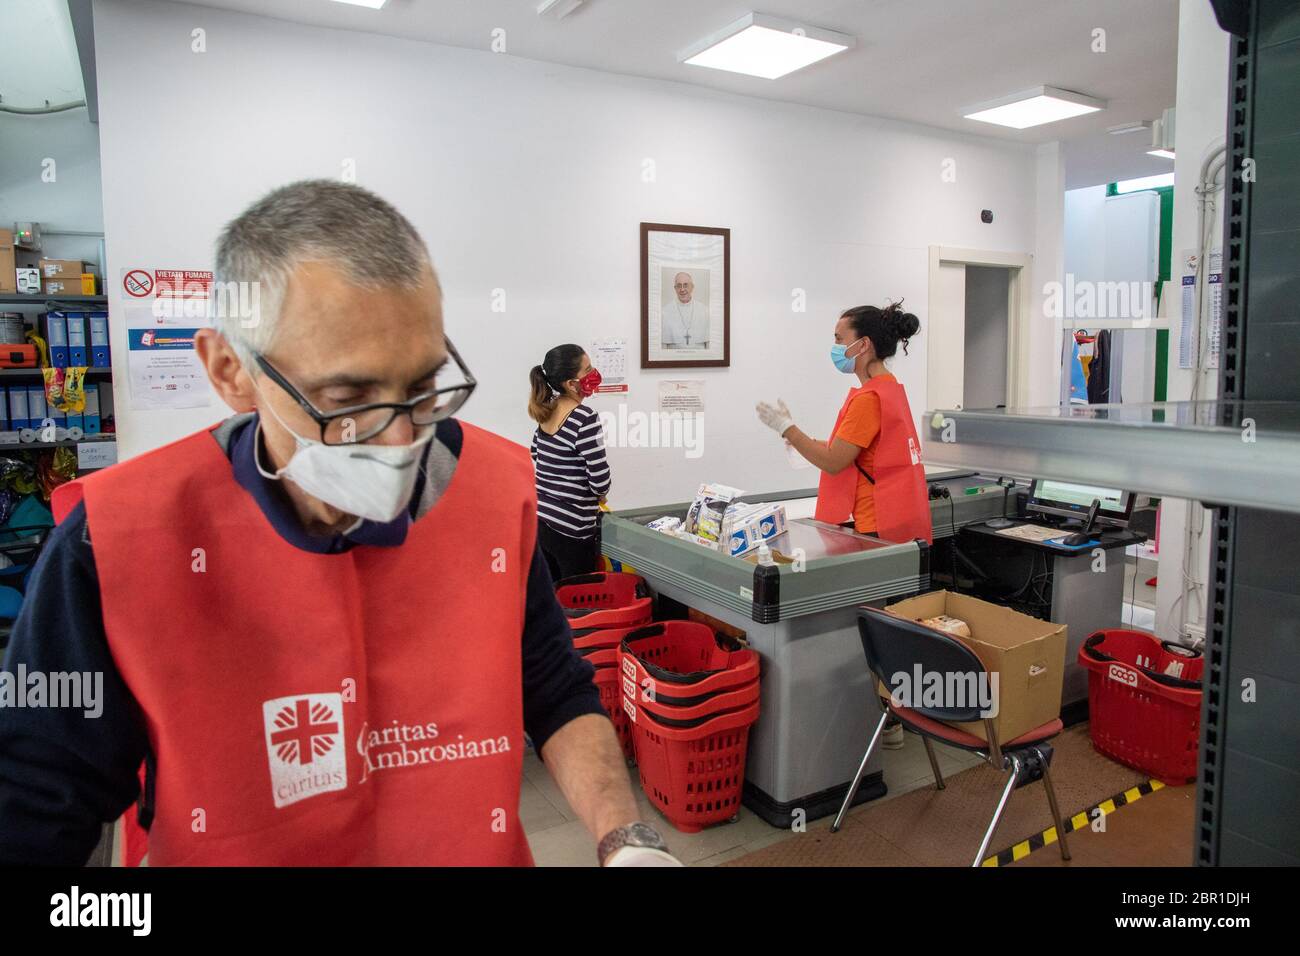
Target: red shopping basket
x,y
685,662
606,599
1144,702
687,715
694,775
607,683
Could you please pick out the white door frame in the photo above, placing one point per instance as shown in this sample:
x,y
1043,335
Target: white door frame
x,y
1019,300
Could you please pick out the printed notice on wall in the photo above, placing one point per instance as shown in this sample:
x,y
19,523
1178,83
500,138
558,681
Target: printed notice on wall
x,y
163,369
679,396
609,357
1189,343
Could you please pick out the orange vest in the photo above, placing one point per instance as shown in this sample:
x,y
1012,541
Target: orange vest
x,y
902,500
362,708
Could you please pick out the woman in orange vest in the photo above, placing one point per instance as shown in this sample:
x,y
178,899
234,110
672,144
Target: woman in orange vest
x,y
871,466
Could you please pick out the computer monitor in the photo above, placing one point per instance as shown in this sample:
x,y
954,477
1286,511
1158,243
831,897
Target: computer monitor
x,y
1073,501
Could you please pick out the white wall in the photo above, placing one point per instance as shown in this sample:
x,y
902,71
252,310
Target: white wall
x,y
1085,233
527,177
72,201
1045,335
1203,50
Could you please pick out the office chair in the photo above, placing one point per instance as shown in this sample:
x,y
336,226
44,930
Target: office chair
x,y
894,644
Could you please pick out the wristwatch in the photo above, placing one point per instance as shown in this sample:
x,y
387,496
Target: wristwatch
x,y
632,834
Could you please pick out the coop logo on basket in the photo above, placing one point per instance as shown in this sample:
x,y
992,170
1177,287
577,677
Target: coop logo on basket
x,y
304,735
1125,675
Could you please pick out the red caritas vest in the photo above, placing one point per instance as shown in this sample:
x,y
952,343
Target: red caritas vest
x,y
902,500
363,708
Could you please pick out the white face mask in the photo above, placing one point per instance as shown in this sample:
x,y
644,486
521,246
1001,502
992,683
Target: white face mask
x,y
369,481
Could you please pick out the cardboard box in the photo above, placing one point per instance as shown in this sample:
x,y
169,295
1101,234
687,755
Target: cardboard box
x,y
747,526
61,286
8,264
89,284
1027,654
63,269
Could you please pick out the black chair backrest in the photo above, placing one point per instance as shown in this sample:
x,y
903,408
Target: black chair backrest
x,y
895,645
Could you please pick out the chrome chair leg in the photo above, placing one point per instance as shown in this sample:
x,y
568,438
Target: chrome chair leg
x,y
934,764
1014,771
857,779
1051,802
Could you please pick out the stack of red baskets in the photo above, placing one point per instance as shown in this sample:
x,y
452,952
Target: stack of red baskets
x,y
691,698
601,608
1144,702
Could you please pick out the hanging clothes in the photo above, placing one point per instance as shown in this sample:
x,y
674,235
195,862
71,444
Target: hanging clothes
x,y
1099,370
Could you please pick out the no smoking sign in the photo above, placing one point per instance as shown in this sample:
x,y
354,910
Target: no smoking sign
x,y
137,283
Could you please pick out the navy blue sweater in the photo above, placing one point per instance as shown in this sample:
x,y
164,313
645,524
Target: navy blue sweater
x,y
63,775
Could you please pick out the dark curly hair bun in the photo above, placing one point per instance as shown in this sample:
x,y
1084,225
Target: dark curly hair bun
x,y
900,325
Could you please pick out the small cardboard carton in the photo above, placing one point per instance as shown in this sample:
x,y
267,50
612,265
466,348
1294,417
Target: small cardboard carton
x,y
745,527
1026,654
63,269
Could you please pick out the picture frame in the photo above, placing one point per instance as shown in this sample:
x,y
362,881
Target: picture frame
x,y
685,296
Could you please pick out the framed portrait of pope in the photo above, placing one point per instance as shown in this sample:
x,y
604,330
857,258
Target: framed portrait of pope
x,y
685,296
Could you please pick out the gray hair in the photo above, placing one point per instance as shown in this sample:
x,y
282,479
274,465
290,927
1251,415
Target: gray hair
x,y
310,220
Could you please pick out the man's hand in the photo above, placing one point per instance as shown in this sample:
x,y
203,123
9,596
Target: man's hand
x,y
641,856
776,417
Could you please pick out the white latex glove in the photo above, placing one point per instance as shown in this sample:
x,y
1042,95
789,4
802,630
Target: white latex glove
x,y
776,417
641,856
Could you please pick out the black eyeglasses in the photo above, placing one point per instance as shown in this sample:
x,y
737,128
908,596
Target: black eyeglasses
x,y
360,423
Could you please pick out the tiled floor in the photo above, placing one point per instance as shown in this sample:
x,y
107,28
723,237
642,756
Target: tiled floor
x,y
559,839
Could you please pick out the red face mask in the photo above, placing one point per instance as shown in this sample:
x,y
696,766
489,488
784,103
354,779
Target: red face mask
x,y
588,384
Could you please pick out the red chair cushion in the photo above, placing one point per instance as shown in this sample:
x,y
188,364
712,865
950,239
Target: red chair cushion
x,y
960,738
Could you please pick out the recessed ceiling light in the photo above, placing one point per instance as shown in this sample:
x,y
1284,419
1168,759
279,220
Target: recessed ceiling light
x,y
372,4
1122,128
559,9
1162,153
764,46
1146,182
1042,104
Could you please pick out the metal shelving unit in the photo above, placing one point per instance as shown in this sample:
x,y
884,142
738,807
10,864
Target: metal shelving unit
x,y
1238,453
35,374
60,302
66,443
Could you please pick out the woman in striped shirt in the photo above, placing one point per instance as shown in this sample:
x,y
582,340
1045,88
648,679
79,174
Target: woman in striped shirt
x,y
568,460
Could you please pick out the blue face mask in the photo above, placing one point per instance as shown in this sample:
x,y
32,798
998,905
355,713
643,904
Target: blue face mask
x,y
842,361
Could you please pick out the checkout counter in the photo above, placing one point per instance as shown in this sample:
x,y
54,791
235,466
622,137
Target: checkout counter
x,y
818,704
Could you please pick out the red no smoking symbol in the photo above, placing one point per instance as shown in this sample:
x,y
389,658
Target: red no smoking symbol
x,y
138,283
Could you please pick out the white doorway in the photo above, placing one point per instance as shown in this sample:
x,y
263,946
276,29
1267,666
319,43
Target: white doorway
x,y
977,332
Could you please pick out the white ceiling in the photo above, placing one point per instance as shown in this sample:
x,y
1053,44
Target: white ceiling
x,y
38,55
916,60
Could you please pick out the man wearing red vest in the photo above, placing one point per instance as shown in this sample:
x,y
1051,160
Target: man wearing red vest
x,y
323,624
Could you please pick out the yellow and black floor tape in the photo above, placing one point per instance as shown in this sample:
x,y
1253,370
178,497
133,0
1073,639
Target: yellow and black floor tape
x,y
1079,821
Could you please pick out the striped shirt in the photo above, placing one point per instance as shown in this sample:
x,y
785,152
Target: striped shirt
x,y
571,473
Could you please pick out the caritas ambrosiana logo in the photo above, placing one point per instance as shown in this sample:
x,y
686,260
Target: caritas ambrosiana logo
x,y
304,735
